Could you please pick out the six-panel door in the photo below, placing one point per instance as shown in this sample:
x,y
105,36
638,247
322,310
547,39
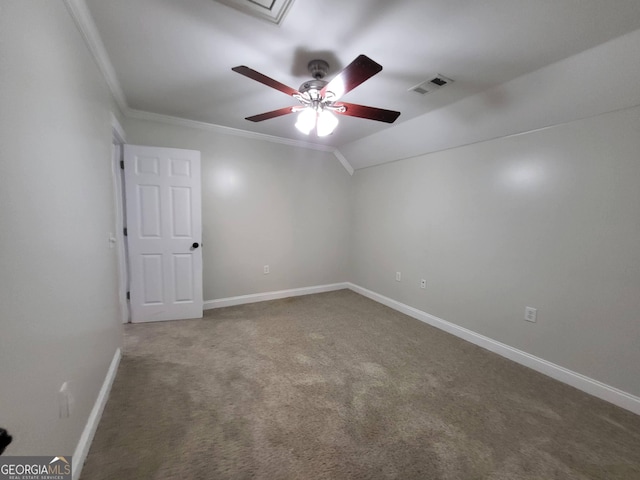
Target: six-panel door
x,y
164,232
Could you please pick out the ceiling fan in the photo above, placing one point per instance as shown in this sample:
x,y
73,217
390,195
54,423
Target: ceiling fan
x,y
319,99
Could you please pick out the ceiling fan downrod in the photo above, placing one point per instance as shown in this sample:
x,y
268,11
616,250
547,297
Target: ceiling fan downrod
x,y
318,69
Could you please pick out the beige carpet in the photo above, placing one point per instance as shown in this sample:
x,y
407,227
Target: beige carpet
x,y
336,386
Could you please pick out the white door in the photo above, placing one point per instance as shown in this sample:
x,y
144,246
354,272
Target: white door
x,y
164,232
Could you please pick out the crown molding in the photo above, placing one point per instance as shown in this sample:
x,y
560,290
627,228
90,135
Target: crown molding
x,y
345,163
84,21
211,127
87,27
119,135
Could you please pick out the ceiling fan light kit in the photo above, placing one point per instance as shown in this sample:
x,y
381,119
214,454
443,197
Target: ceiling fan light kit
x,y
306,121
326,123
320,100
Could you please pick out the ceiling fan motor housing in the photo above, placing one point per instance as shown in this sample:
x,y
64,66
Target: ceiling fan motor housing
x,y
312,85
318,70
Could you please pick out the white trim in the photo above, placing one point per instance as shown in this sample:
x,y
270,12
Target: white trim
x,y
504,136
273,14
87,27
82,449
81,15
118,140
212,127
345,163
265,296
117,131
120,240
581,382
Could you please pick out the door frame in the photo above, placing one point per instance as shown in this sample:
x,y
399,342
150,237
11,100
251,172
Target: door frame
x,y
176,288
118,140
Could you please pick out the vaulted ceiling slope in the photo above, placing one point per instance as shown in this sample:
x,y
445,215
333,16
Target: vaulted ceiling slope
x,y
175,58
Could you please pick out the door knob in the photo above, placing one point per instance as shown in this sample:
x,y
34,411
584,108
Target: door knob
x,y
195,245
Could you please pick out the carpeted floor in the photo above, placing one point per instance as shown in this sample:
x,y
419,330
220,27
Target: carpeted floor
x,y
336,386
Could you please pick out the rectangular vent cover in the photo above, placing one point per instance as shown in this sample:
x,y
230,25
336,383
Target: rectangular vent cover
x,y
431,85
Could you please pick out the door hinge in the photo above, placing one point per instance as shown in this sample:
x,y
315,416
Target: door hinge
x,y
124,231
122,164
128,295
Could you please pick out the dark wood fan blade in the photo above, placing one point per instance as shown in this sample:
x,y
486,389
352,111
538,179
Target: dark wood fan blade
x,y
361,69
268,81
372,113
272,114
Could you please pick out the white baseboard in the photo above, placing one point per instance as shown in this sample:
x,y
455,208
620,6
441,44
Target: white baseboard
x,y
589,385
82,449
262,297
581,382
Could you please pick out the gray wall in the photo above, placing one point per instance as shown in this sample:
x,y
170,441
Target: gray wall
x,y
263,203
548,219
58,279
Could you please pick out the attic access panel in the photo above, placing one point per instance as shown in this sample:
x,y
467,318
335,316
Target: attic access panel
x,y
271,10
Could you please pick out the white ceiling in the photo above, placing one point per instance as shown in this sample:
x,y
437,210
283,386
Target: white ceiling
x,y
175,57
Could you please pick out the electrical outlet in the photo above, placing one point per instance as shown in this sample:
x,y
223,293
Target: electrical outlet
x,y
398,276
266,269
530,314
423,283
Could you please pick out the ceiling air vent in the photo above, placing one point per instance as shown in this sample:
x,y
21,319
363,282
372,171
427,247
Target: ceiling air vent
x,y
270,10
432,84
